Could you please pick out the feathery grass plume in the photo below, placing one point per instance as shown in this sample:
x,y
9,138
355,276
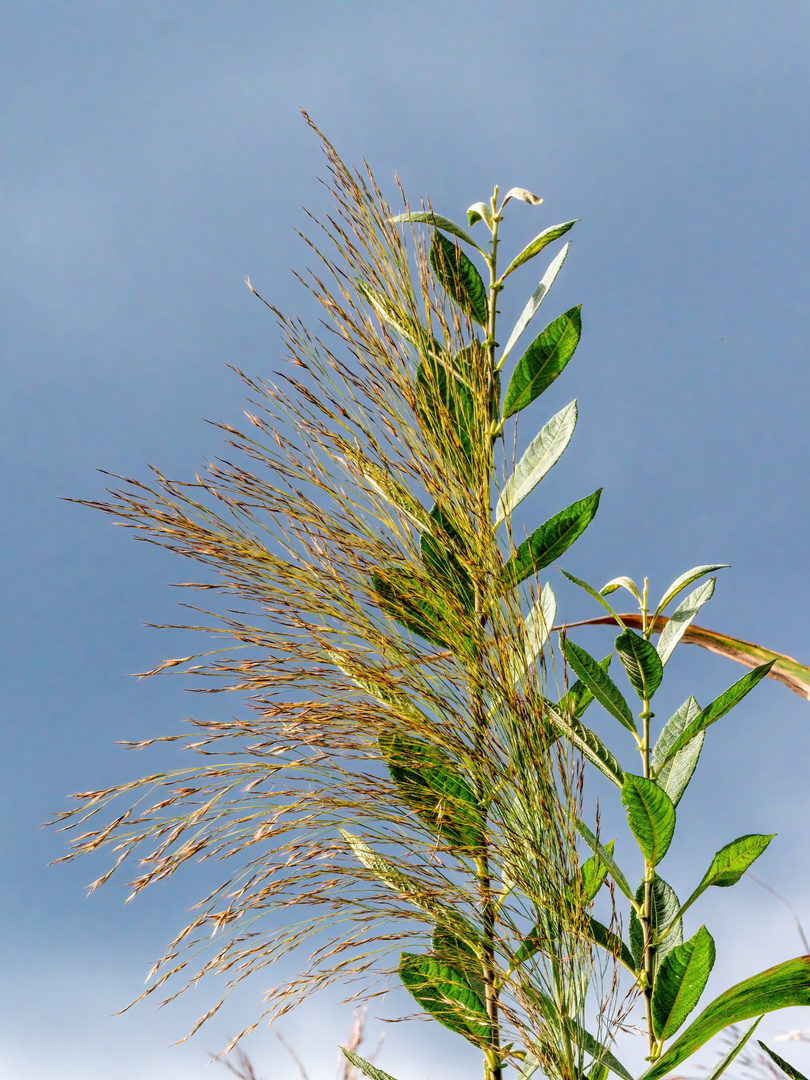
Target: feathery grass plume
x,y
397,780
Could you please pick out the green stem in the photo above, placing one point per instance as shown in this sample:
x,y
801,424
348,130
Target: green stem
x,y
493,1053
647,926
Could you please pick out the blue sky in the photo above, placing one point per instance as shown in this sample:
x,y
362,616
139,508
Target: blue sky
x,y
152,155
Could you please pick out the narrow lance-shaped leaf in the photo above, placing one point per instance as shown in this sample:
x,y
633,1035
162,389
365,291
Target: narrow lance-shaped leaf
x,y
598,597
665,907
609,941
546,237
459,277
621,582
543,452
785,1066
439,547
730,863
593,675
538,626
608,860
682,617
719,707
593,872
578,697
535,300
589,743
446,995
365,1067
641,662
433,788
411,602
680,982
550,541
681,582
447,410
650,814
543,361
780,987
727,1058
676,774
424,218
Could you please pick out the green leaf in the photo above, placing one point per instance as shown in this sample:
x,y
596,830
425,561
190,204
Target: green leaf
x,y
594,872
676,774
446,407
727,1059
480,211
544,451
610,942
446,995
550,541
681,582
459,277
438,222
419,608
622,582
598,682
535,300
546,237
780,987
650,814
543,361
365,1067
579,697
597,1051
538,626
589,743
598,596
665,908
641,662
681,618
786,1068
429,784
401,321
680,982
441,562
719,707
411,891
730,863
607,859
457,953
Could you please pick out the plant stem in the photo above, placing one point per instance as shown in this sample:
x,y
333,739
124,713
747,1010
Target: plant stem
x,y
649,877
493,1065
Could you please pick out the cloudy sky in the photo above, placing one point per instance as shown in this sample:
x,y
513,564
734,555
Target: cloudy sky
x,y
152,155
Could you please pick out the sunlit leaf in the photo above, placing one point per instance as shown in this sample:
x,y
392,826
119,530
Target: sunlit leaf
x,y
676,774
730,863
650,814
523,195
544,451
780,987
535,300
737,1046
607,859
641,662
681,582
786,1068
609,941
543,361
480,211
446,995
433,788
550,541
593,675
594,872
459,277
680,982
439,222
682,617
719,707
589,743
665,908
547,236
365,1067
